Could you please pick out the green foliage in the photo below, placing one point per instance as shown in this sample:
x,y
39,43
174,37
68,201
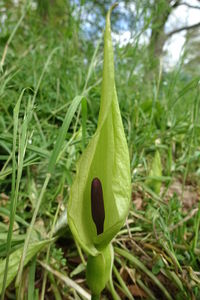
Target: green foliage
x,y
57,258
15,257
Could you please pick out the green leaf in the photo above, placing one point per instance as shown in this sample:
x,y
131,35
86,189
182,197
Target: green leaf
x,y
155,176
14,260
106,158
62,133
157,267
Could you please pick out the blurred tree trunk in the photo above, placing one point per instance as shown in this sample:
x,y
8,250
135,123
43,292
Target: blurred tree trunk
x,y
43,8
160,10
59,15
192,64
51,10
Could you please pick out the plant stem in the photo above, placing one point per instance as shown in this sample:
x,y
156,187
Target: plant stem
x,y
111,288
48,254
95,297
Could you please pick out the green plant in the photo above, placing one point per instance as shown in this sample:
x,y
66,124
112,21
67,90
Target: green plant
x,y
153,181
57,258
100,194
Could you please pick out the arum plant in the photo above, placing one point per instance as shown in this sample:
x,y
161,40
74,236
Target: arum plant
x,y
100,194
155,174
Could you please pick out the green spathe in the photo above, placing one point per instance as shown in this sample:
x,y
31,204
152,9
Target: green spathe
x,y
154,181
107,158
99,269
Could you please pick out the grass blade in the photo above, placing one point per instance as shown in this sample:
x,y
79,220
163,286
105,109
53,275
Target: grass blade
x,y
143,268
67,281
33,249
31,279
122,283
62,133
14,189
53,159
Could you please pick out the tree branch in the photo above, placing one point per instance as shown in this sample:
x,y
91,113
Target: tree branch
x,y
177,3
182,28
189,5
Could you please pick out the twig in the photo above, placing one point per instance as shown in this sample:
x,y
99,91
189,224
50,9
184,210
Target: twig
x,y
67,281
182,29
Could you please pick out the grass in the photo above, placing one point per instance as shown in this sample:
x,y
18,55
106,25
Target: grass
x,y
50,91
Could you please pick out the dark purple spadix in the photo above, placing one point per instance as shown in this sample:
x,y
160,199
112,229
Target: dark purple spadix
x,y
97,205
